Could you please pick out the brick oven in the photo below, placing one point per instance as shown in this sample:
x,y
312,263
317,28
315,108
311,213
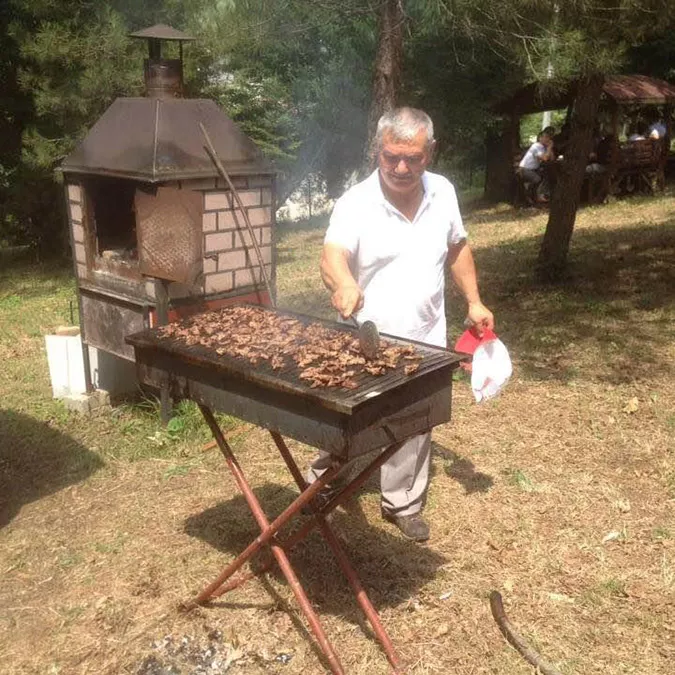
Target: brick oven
x,y
155,232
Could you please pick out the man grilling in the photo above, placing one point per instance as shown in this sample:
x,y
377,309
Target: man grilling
x,y
383,260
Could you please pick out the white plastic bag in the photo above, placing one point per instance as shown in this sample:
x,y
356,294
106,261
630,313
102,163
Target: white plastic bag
x,y
490,369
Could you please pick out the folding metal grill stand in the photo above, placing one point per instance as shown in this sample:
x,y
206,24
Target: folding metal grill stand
x,y
280,548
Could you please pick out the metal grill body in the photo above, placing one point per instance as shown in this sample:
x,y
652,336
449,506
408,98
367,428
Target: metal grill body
x,y
382,410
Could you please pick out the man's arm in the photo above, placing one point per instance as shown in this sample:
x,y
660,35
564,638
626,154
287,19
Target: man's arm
x,y
346,297
463,272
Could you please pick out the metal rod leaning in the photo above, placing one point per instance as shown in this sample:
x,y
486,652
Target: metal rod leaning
x,y
221,170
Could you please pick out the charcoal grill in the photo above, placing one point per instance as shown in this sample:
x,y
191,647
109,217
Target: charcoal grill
x,y
378,415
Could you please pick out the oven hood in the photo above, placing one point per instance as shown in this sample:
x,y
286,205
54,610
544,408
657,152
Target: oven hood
x,y
156,140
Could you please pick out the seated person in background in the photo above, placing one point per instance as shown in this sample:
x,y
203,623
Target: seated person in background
x,y
657,130
601,156
638,132
529,168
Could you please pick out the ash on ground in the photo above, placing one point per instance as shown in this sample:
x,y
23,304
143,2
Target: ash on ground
x,y
211,655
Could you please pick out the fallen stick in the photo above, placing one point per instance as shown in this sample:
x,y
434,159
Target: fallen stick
x,y
516,640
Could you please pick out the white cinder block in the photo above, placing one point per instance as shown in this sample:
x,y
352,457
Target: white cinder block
x,y
75,193
216,200
218,242
210,222
218,283
76,212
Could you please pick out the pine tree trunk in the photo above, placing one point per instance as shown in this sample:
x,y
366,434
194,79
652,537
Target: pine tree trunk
x,y
567,193
387,70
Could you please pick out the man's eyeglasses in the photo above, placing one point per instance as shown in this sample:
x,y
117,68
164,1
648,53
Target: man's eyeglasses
x,y
411,161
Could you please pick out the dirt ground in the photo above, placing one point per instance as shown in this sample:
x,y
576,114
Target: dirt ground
x,y
560,494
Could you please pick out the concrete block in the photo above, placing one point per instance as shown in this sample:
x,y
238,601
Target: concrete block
x,y
75,193
79,403
257,274
94,403
260,216
250,197
78,233
80,253
210,265
213,201
66,365
218,242
210,222
229,220
252,257
266,235
243,238
75,212
244,277
218,283
231,260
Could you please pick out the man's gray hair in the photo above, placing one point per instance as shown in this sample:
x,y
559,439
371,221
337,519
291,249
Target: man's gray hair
x,y
404,124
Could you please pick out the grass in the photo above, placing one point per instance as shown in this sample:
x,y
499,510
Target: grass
x,y
559,494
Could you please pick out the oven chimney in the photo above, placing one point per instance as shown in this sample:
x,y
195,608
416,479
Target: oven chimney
x,y
163,77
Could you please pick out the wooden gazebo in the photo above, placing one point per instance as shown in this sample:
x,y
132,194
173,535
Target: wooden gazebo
x,y
620,94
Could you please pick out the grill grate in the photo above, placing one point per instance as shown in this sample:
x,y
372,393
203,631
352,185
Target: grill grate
x,y
287,378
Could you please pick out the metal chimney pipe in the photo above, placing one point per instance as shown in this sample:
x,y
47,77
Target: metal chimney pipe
x,y
163,77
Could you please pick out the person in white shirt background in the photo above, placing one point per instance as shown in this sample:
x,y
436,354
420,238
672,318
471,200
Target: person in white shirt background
x,y
656,128
530,166
384,260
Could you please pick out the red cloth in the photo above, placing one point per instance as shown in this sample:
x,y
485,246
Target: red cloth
x,y
470,340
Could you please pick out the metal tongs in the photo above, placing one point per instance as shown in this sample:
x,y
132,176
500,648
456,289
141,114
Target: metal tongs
x,y
369,337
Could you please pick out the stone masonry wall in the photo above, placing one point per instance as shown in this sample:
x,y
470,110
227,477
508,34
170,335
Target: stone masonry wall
x,y
230,260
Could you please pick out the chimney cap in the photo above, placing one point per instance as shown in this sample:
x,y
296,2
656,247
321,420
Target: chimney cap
x,y
160,31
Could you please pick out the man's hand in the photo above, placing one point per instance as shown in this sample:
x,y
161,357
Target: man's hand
x,y
480,317
347,299
347,296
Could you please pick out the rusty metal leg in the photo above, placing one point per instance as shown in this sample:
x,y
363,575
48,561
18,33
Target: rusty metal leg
x,y
303,531
346,566
267,536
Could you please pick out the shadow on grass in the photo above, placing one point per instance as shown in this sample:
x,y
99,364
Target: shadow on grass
x,y
36,461
462,470
454,465
617,298
392,569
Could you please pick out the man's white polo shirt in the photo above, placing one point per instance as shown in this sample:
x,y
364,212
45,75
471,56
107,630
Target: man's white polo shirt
x,y
399,264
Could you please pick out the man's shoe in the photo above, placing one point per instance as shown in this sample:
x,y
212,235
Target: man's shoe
x,y
322,498
413,526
